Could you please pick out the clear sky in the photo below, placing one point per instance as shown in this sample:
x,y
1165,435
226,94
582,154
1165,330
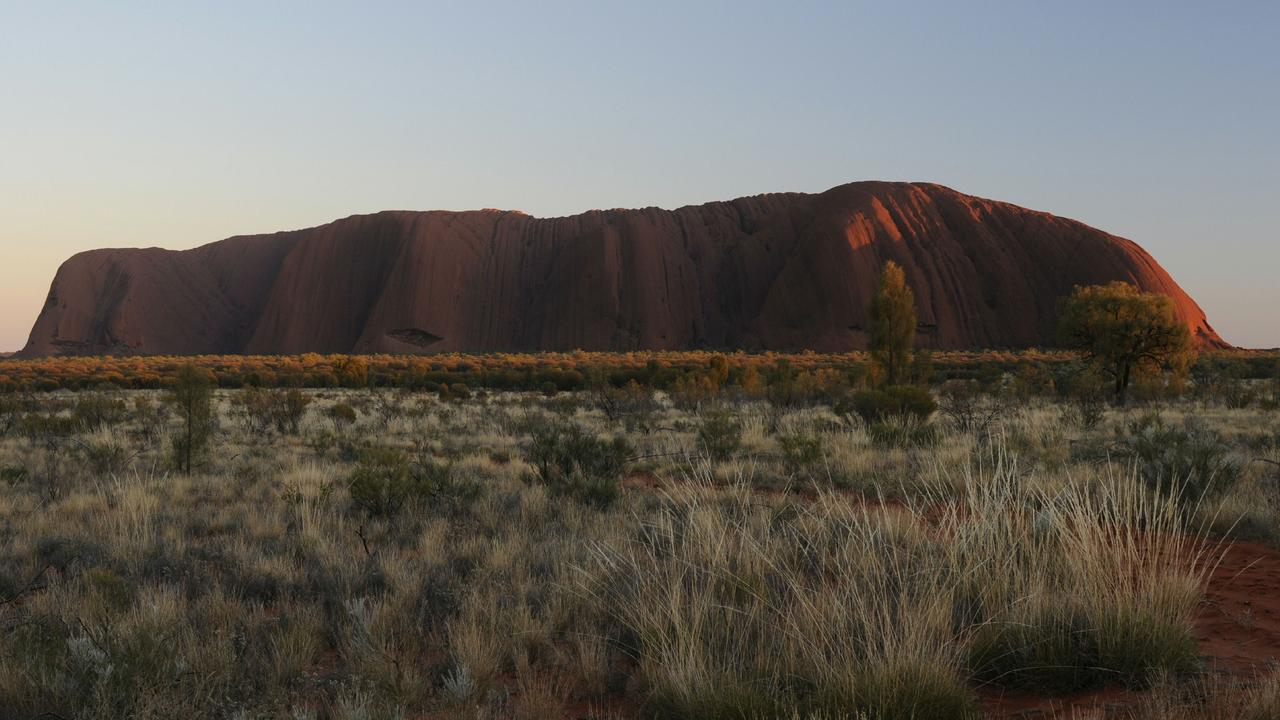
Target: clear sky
x,y
176,124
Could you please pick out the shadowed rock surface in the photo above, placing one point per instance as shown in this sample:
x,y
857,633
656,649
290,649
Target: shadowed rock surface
x,y
781,271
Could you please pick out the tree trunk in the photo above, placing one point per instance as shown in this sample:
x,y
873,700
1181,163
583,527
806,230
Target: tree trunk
x,y
1122,386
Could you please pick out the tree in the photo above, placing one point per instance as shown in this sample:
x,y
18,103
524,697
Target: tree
x,y
352,371
192,394
1124,332
893,325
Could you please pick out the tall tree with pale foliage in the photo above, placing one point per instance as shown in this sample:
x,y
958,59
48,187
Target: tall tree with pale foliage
x,y
1125,332
893,325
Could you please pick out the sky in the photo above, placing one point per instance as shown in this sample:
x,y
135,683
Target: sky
x,y
130,124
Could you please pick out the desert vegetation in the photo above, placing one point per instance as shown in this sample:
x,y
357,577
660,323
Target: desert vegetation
x,y
790,373
753,539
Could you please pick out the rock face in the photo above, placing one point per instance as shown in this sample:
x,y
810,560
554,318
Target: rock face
x,y
783,271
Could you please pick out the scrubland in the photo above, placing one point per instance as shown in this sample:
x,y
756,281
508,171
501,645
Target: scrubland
x,y
389,553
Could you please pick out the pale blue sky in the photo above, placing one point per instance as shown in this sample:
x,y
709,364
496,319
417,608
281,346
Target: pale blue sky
x,y
176,124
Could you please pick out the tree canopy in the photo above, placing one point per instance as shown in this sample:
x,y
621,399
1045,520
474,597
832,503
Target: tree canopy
x,y
893,324
1124,331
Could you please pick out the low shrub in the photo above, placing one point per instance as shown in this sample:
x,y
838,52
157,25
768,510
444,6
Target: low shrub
x,y
42,429
573,463
51,435
719,435
291,406
321,442
106,456
902,433
970,409
388,406
113,590
893,402
1223,382
96,411
151,419
1190,462
262,410
630,404
454,392
1086,392
800,450
385,482
341,415
10,412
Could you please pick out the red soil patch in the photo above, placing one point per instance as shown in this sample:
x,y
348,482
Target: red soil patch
x,y
1238,625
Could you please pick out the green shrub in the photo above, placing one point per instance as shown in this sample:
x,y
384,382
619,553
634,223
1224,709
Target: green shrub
x,y
341,415
564,406
572,463
262,410
321,442
719,435
10,412
13,474
800,450
1086,392
116,592
1223,381
151,419
106,457
42,429
96,411
291,406
893,402
386,482
1190,462
52,435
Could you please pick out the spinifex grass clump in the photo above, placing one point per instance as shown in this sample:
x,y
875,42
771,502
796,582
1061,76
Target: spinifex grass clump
x,y
1092,588
738,610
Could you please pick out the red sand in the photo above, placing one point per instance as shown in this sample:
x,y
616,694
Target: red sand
x,y
1239,621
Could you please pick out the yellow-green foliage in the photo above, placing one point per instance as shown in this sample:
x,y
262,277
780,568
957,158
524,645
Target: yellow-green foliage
x,y
1125,331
